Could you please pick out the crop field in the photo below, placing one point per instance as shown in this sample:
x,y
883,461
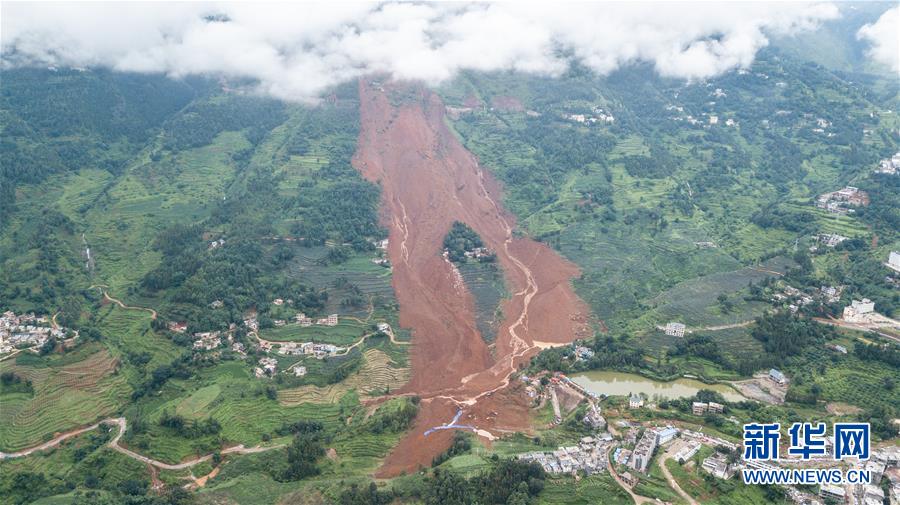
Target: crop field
x,y
485,282
859,383
373,281
376,375
130,329
593,489
347,332
694,482
151,196
64,398
694,303
621,267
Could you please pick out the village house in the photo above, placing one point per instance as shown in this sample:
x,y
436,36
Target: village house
x,y
859,311
831,239
840,201
778,377
384,327
217,304
302,320
207,341
716,408
699,408
292,348
635,401
643,451
831,294
593,418
278,301
279,322
837,348
267,368
331,320
889,166
718,466
251,323
582,352
238,348
675,329
687,452
177,326
666,434
299,370
893,261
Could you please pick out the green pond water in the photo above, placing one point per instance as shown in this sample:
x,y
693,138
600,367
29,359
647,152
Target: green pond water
x,y
623,384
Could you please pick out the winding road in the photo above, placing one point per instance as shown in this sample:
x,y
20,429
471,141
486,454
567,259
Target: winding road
x,y
119,302
113,444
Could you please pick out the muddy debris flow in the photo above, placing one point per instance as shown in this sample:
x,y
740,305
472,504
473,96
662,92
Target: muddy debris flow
x,y
428,181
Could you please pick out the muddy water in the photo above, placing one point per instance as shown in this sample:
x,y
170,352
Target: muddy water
x,y
623,384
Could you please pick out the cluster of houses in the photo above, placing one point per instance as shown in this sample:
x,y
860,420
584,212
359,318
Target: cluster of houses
x,y
207,340
599,115
319,351
795,296
830,239
304,321
890,166
710,119
843,200
588,456
27,330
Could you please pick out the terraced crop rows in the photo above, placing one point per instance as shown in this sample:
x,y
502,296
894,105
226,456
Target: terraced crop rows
x,y
75,395
376,374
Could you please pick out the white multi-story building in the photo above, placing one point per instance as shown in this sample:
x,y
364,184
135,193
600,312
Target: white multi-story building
x,y
859,310
893,261
675,329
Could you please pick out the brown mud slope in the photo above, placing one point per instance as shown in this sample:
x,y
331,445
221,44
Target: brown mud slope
x,y
429,180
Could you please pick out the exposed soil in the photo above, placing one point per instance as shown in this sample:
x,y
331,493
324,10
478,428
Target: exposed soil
x,y
429,180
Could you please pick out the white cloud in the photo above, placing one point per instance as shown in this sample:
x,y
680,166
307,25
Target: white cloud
x,y
882,36
295,51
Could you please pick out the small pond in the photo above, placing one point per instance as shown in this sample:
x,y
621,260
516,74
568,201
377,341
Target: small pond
x,y
623,384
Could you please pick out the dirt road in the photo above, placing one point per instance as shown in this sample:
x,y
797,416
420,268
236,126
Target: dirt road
x,y
671,480
108,298
428,181
122,424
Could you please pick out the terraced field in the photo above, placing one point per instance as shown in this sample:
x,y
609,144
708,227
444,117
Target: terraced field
x,y
376,374
693,302
485,282
64,398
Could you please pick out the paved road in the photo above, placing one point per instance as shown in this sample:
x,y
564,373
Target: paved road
x,y
638,499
